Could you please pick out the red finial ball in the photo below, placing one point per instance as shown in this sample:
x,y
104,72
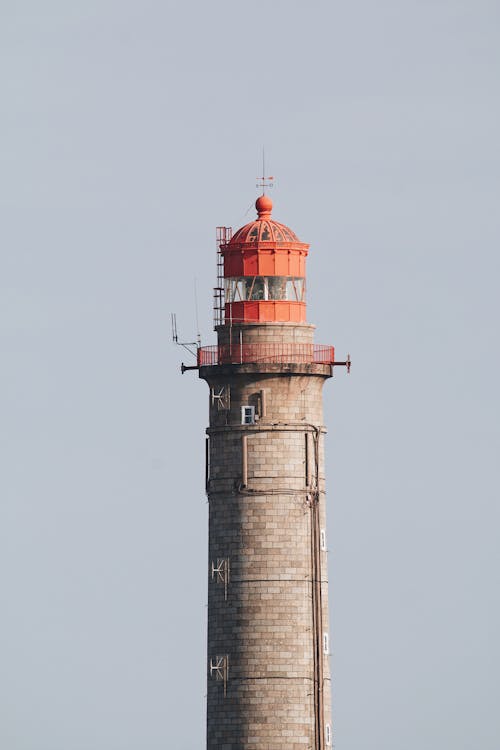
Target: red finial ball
x,y
264,206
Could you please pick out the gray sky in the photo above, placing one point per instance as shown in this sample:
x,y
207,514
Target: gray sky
x,y
128,132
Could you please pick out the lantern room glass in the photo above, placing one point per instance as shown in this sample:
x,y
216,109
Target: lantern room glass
x,y
256,288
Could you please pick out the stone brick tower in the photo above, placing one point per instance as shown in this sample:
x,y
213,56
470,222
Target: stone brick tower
x,y
268,633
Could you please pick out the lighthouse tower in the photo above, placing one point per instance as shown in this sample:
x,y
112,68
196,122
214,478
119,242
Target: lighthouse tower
x,y
268,631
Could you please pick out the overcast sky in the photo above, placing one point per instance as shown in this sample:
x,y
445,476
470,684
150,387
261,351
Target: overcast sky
x,y
129,131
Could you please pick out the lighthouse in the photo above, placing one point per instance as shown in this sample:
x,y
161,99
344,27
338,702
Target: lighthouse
x,y
268,660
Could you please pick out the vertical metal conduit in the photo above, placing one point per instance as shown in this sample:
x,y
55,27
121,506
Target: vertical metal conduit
x,y
308,461
263,404
317,608
244,460
207,464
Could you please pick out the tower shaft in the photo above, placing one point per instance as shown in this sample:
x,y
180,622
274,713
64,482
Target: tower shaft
x,y
268,594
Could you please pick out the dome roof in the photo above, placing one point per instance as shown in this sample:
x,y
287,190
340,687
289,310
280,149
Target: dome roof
x,y
264,229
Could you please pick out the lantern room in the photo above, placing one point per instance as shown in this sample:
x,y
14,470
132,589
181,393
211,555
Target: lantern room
x,y
264,271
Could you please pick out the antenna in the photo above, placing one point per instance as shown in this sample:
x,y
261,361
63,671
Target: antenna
x,y
198,335
264,181
191,346
173,319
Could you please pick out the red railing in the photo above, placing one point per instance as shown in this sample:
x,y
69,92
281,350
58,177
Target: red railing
x,y
268,353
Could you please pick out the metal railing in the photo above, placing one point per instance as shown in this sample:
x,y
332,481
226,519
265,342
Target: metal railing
x,y
239,353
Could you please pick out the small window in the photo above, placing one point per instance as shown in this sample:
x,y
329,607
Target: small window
x,y
322,535
326,644
248,415
328,734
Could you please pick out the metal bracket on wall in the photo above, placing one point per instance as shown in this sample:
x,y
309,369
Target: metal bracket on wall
x,y
219,668
220,573
346,364
222,397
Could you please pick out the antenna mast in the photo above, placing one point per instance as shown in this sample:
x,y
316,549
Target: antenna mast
x,y
191,346
264,181
198,335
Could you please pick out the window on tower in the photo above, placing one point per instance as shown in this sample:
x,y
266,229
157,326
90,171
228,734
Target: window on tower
x,y
248,415
322,537
328,734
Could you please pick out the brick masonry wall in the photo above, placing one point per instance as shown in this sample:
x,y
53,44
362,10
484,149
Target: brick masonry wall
x,y
266,333
260,624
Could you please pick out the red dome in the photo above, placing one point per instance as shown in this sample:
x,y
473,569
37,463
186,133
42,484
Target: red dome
x,y
264,229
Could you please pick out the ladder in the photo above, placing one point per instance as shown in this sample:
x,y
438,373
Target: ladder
x,y
223,235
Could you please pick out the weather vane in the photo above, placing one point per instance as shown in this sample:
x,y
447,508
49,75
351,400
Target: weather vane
x,y
264,181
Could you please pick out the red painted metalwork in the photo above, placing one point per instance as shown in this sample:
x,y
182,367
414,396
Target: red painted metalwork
x,y
266,353
264,261
270,311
